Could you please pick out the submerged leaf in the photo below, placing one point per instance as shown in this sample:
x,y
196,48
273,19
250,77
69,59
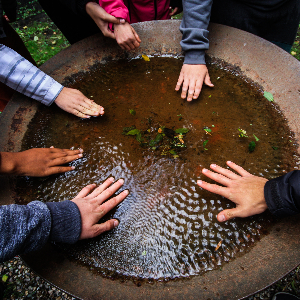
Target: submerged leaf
x,y
132,112
204,144
182,130
133,132
145,57
269,96
252,146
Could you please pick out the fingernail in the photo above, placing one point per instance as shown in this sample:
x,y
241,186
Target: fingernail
x,y
87,117
116,223
80,155
73,168
126,192
81,150
199,182
213,165
112,179
121,181
222,218
204,170
229,162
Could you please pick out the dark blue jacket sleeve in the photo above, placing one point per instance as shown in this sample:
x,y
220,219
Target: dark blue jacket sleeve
x,y
25,228
282,194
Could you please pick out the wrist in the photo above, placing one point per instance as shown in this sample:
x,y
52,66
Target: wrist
x,y
8,163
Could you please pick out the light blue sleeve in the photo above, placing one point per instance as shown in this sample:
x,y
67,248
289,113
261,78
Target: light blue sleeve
x,y
22,76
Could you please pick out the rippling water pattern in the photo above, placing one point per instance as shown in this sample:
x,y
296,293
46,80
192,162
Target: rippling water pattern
x,y
168,227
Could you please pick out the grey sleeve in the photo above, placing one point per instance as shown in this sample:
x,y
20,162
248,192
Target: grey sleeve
x,y
26,228
22,76
196,16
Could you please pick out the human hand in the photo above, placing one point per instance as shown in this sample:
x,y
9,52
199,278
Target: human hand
x,y
74,102
102,18
94,206
38,162
175,11
191,78
246,191
126,36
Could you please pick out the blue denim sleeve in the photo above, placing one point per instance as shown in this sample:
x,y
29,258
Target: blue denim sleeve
x,y
282,194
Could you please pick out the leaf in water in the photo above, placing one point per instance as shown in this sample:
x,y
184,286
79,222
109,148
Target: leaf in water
x,y
269,96
36,38
207,129
133,132
180,117
204,144
132,112
275,148
4,278
243,133
256,138
144,252
127,129
145,57
174,153
139,137
182,130
252,146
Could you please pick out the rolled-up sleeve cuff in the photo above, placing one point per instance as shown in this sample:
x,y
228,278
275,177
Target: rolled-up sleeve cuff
x,y
66,222
194,57
52,93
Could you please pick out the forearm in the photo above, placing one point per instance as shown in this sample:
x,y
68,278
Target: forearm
x,y
196,16
26,228
282,194
8,163
23,228
22,76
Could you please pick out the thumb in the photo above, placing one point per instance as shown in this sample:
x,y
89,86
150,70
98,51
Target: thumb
x,y
136,35
207,80
229,214
111,19
103,227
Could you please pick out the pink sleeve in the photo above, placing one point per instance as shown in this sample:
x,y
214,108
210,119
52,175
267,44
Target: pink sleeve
x,y
116,8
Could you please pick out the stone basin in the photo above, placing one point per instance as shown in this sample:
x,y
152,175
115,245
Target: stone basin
x,y
270,259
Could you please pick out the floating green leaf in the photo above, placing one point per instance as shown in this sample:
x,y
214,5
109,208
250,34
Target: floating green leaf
x,y
180,117
252,146
133,132
207,129
243,133
269,96
256,138
132,112
144,252
182,130
127,129
4,278
204,144
275,148
174,153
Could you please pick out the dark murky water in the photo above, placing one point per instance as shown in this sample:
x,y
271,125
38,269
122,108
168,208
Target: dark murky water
x,y
168,227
